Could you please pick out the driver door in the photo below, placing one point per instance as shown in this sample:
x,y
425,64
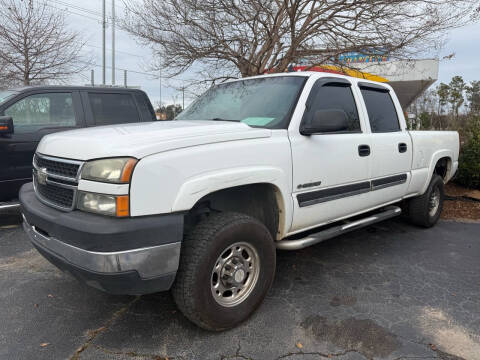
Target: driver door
x,y
34,116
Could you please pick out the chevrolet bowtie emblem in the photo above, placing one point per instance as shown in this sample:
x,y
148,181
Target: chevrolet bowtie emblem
x,y
42,176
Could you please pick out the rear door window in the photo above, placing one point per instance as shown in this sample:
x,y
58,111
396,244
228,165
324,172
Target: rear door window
x,y
41,111
146,109
111,108
381,110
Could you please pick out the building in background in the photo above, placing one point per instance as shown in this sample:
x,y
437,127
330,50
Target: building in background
x,y
409,78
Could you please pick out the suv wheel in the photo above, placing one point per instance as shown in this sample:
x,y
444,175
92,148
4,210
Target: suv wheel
x,y
425,210
226,267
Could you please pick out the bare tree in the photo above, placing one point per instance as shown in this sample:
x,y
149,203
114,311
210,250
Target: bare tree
x,y
35,44
228,38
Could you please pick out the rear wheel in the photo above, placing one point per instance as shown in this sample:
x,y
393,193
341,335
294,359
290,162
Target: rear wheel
x,y
425,210
226,268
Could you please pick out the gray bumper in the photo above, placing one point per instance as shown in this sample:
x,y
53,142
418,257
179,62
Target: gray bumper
x,y
121,256
148,262
133,272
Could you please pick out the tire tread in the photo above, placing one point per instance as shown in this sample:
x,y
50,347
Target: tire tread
x,y
193,247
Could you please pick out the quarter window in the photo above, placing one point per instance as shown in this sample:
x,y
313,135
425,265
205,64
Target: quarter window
x,y
35,112
381,110
111,109
335,97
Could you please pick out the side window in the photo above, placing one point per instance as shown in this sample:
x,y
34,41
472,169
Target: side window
x,y
381,110
111,109
40,111
336,97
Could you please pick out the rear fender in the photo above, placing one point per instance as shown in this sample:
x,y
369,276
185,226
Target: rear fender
x,y
433,162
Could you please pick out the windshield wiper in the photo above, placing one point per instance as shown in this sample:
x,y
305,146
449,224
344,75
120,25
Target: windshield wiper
x,y
220,119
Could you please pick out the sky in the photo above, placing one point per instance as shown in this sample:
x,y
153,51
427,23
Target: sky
x,y
85,17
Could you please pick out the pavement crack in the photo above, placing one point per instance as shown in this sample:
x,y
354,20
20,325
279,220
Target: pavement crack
x,y
92,334
320,354
135,354
237,355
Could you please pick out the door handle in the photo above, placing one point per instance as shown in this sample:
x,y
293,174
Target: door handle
x,y
363,150
402,147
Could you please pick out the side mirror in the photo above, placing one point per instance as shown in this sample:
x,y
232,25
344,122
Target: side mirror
x,y
326,121
6,125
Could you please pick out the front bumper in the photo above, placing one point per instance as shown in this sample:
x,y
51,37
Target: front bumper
x,y
143,260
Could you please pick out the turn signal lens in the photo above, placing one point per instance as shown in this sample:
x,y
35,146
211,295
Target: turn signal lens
x,y
128,170
122,206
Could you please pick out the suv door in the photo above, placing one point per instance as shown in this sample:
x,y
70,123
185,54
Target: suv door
x,y
110,108
331,171
35,114
391,145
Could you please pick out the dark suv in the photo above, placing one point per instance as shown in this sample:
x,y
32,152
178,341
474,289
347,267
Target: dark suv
x,y
29,113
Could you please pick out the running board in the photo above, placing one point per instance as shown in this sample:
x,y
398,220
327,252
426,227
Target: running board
x,y
387,213
9,205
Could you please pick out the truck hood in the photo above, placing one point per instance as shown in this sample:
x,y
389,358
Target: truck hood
x,y
143,139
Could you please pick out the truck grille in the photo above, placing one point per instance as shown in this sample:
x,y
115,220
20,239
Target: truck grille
x,y
56,180
57,167
57,195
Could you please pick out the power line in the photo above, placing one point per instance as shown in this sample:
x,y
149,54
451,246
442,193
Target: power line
x,y
73,13
117,51
76,7
68,7
117,68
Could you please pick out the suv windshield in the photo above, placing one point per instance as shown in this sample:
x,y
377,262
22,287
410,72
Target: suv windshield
x,y
263,102
5,94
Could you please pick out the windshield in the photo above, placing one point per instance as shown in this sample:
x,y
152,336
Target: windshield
x,y
6,94
263,102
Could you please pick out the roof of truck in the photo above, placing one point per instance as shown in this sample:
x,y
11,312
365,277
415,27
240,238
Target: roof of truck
x,y
73,87
314,73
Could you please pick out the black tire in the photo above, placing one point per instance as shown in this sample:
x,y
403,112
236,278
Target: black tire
x,y
419,207
200,253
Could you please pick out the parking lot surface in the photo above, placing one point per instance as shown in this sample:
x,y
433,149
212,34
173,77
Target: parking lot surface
x,y
390,291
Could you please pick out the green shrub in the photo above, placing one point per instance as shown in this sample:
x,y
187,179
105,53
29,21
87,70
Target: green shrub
x,y
469,160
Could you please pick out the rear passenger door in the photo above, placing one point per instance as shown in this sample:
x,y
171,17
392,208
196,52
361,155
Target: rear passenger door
x,y
391,144
110,108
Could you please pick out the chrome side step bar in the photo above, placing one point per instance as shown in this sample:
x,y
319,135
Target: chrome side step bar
x,y
387,213
9,205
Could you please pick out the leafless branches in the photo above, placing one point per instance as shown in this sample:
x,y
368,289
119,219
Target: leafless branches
x,y
248,37
35,44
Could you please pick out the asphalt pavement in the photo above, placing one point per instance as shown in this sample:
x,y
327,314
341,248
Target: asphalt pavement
x,y
390,291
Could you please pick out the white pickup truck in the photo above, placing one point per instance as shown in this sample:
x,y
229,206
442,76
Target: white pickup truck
x,y
200,204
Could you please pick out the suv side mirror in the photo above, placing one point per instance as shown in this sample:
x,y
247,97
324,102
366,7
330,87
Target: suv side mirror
x,y
326,121
6,125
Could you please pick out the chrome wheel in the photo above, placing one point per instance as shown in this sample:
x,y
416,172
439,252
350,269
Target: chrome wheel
x,y
434,202
235,274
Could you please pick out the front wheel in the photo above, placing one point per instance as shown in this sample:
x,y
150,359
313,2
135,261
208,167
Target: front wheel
x,y
425,210
226,267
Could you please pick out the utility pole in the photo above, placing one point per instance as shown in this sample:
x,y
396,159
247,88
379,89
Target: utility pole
x,y
113,42
104,25
160,85
183,98
125,78
92,77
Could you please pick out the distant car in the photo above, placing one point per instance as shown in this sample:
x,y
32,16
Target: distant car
x,y
27,114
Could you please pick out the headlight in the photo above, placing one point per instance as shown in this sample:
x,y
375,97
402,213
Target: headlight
x,y
115,170
104,204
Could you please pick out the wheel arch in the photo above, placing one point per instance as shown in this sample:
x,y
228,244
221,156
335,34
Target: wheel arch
x,y
441,164
263,201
